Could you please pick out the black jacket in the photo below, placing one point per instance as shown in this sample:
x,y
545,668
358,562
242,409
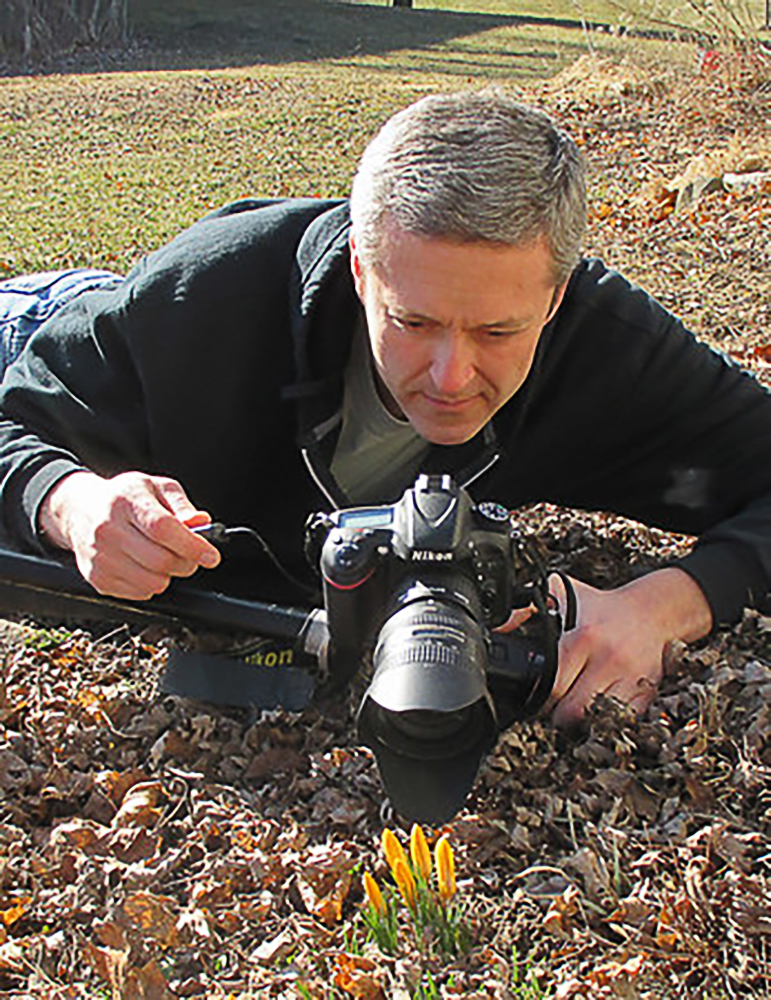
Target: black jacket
x,y
220,362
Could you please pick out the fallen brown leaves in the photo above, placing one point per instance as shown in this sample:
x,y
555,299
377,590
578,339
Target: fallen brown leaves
x,y
629,860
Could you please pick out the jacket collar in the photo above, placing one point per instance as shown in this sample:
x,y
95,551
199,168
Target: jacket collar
x,y
324,311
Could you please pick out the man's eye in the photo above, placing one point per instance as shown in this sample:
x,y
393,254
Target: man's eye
x,y
500,334
412,325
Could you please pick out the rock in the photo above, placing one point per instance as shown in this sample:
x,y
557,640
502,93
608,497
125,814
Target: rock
x,y
749,183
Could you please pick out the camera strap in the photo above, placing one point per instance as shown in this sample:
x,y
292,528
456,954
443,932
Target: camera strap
x,y
226,681
570,618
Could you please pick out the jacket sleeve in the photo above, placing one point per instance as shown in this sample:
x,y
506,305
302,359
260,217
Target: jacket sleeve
x,y
71,401
628,412
702,433
176,372
732,563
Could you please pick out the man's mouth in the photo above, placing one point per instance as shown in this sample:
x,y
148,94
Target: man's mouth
x,y
450,403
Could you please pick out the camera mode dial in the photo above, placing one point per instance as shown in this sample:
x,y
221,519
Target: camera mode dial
x,y
494,512
348,557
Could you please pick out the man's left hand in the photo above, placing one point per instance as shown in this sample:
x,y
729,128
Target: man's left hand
x,y
621,637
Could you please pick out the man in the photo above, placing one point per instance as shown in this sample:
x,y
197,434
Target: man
x,y
280,356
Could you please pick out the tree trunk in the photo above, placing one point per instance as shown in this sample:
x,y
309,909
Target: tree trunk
x,y
39,28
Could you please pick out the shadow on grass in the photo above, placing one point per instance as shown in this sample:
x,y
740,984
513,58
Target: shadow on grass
x,y
193,34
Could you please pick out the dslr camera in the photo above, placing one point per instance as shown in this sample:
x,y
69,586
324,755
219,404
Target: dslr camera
x,y
418,587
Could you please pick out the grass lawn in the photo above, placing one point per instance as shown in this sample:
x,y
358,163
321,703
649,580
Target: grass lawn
x,y
257,98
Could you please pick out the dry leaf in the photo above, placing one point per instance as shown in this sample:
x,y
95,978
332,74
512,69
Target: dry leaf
x,y
751,906
593,871
110,934
14,772
78,834
11,957
642,800
139,806
670,920
324,881
254,910
108,963
155,916
10,914
172,745
212,893
115,784
133,844
147,983
196,922
359,977
619,976
631,910
558,918
274,949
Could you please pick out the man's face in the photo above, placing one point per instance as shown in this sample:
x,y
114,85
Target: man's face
x,y
453,327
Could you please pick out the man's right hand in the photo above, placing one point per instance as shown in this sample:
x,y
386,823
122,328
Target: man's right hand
x,y
130,534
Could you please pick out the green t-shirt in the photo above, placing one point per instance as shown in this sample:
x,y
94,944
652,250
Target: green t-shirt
x,y
377,454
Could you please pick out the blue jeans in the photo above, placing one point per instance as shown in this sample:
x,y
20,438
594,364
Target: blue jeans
x,y
28,301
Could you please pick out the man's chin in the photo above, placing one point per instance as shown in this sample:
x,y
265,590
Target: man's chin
x,y
446,435
440,425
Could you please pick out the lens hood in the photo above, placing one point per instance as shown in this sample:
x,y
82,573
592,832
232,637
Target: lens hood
x,y
427,715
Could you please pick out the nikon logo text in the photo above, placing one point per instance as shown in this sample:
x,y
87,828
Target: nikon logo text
x,y
424,555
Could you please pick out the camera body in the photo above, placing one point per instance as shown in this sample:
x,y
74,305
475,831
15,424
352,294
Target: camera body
x,y
375,559
419,585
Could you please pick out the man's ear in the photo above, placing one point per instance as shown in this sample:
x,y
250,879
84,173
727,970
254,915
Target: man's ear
x,y
356,268
556,301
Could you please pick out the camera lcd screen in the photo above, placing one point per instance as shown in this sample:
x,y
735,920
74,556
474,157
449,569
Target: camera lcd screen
x,y
366,517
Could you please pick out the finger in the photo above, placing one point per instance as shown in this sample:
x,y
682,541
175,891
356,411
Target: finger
x,y
197,520
139,587
574,652
637,692
517,617
638,695
127,563
570,710
557,591
163,528
594,679
120,575
156,556
173,497
566,703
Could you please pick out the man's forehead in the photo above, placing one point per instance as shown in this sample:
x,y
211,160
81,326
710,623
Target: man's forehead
x,y
395,241
420,268
391,233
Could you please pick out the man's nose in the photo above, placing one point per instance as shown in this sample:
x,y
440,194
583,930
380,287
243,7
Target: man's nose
x,y
452,365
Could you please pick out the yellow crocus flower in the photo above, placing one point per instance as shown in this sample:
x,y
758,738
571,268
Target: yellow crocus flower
x,y
445,868
392,849
374,895
419,853
405,881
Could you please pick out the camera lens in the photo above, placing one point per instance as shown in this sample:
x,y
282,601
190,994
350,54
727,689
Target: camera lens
x,y
427,715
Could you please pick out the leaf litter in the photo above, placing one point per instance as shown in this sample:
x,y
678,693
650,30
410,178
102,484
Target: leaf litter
x,y
154,847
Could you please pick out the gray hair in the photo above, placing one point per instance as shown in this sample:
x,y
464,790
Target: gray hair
x,y
472,167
